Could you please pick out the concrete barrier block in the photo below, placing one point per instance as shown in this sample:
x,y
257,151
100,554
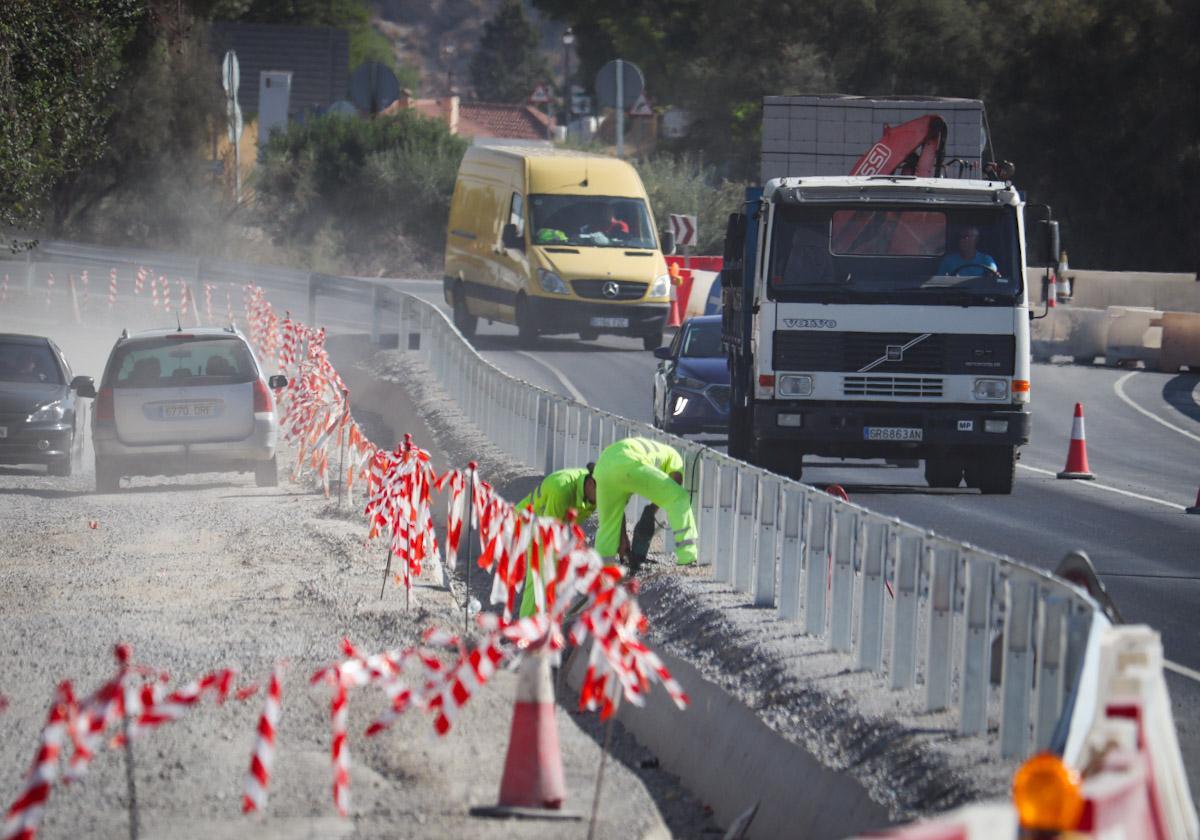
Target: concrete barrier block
x,y
1180,341
1131,337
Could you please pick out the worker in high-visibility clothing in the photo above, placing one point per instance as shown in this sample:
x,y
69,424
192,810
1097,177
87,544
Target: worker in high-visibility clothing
x,y
653,471
558,493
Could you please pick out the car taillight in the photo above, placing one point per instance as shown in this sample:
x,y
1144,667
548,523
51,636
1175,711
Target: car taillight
x,y
103,409
263,401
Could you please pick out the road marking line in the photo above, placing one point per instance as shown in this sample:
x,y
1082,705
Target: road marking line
x,y
1182,670
1119,388
558,374
1098,486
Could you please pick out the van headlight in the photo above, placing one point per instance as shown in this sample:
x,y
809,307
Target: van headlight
x,y
552,283
50,413
991,389
795,386
661,287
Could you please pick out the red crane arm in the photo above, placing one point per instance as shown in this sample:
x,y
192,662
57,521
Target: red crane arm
x,y
912,148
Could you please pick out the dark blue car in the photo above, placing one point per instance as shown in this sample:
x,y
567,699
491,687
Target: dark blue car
x,y
691,383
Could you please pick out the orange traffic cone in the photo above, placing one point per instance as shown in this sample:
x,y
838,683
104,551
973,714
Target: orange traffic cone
x,y
1052,292
533,783
1196,507
1077,462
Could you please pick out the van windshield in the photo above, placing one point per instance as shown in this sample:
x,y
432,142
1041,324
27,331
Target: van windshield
x,y
599,221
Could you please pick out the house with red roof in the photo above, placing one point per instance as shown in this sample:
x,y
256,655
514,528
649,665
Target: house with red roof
x,y
487,120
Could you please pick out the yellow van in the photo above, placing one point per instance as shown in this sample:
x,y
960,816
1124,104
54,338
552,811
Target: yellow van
x,y
554,242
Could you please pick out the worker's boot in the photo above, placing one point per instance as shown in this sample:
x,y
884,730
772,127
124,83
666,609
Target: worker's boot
x,y
643,534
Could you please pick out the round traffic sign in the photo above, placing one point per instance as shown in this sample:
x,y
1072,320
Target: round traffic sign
x,y
631,84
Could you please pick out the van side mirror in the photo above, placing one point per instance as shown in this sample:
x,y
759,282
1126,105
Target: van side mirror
x,y
277,382
512,237
84,386
1044,247
667,239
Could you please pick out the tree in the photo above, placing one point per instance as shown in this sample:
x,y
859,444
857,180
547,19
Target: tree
x,y
59,61
508,64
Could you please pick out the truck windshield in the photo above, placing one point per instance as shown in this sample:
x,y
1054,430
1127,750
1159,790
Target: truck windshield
x,y
587,220
924,256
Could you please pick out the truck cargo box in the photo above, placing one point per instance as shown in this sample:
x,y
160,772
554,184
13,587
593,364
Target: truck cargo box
x,y
826,134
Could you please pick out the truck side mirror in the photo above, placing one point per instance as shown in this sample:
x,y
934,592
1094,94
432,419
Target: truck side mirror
x,y
731,278
1044,247
735,238
668,242
512,237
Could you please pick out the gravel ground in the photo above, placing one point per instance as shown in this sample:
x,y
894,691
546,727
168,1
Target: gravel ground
x,y
912,762
209,571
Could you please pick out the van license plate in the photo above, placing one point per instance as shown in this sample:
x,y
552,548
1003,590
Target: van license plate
x,y
620,323
892,433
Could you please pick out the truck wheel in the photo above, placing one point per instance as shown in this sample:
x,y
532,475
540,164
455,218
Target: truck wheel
x,y
527,330
463,319
588,335
108,476
943,472
993,470
652,341
266,473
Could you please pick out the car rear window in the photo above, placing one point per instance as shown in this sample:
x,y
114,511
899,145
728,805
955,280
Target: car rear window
x,y
28,362
170,362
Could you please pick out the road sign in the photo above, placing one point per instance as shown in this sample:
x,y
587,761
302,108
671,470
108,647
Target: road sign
x,y
641,108
230,74
630,88
540,95
373,87
684,229
233,119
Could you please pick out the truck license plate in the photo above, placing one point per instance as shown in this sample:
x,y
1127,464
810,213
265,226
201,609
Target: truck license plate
x,y
620,323
892,433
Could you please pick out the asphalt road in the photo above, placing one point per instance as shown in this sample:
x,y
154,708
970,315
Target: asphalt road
x,y
1143,436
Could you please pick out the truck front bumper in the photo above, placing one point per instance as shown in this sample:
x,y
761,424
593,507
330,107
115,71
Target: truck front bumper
x,y
843,429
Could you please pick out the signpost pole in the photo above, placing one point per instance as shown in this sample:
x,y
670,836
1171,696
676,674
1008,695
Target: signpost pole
x,y
620,108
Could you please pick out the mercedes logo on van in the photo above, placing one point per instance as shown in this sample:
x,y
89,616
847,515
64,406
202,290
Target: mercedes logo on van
x,y
610,290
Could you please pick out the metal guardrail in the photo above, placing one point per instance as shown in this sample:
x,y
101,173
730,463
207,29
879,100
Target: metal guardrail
x,y
907,604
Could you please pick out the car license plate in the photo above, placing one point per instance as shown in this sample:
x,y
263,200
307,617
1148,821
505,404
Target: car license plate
x,y
186,411
892,433
3,431
610,322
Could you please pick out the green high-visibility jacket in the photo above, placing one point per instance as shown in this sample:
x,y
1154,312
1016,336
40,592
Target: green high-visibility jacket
x,y
558,493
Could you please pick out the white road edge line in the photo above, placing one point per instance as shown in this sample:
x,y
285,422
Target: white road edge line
x,y
558,374
1119,388
1183,671
1097,486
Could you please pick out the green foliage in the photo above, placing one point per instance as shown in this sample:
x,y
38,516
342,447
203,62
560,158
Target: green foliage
x,y
360,183
683,185
61,60
150,185
508,63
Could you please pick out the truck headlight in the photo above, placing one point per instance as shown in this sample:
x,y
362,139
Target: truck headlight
x,y
50,413
795,386
991,389
552,283
661,287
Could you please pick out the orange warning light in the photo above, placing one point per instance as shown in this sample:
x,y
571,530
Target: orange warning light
x,y
1046,794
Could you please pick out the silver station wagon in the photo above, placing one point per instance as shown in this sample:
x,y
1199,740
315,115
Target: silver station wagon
x,y
176,402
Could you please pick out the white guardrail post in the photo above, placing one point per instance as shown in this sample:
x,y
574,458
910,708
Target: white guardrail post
x,y
784,545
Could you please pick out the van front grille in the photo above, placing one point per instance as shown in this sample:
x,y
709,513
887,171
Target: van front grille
x,y
624,289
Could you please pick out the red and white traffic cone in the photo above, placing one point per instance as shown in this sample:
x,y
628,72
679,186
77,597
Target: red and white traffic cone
x,y
1196,507
533,784
1077,462
1052,292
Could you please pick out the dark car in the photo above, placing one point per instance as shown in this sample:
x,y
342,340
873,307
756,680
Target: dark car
x,y
40,416
691,384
